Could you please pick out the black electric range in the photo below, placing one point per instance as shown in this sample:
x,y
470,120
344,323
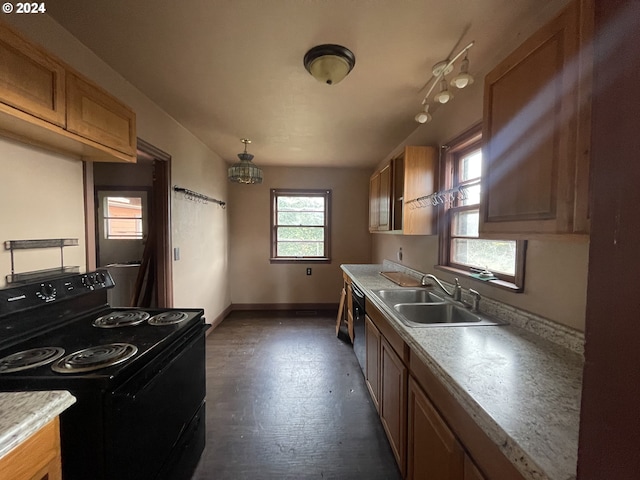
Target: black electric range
x,y
137,374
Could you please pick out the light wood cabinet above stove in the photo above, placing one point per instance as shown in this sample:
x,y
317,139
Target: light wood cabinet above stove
x,y
44,102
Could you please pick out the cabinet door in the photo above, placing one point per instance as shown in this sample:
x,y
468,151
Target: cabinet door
x,y
420,174
380,200
30,80
372,365
393,398
37,458
433,450
384,199
350,312
532,109
94,114
471,472
374,204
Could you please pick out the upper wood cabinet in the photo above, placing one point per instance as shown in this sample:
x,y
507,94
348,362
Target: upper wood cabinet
x,y
380,200
98,116
420,180
30,79
46,103
536,132
409,176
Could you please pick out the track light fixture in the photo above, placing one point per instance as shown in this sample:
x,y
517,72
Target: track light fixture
x,y
423,116
444,95
440,70
463,79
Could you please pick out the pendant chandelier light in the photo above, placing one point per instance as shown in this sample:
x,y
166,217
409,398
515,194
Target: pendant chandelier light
x,y
329,64
440,70
245,171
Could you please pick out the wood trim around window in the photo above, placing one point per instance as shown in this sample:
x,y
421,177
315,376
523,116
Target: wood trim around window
x,y
464,143
326,193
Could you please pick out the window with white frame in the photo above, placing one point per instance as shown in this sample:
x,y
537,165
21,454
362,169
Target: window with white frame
x,y
123,217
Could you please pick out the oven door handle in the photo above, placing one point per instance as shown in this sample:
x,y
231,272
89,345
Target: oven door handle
x,y
130,391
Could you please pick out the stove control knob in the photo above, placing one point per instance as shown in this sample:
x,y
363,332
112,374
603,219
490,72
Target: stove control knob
x,y
88,281
100,277
47,292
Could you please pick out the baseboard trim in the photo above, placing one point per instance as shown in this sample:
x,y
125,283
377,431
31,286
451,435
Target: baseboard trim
x,y
283,306
218,320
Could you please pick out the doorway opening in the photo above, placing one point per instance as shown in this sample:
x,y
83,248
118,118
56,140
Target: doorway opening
x,y
128,227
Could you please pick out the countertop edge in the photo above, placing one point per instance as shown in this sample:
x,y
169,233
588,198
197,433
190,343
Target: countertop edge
x,y
24,413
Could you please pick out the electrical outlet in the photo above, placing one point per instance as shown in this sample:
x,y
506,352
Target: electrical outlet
x,y
176,253
308,271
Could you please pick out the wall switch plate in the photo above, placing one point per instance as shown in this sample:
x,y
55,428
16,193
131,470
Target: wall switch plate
x,y
308,271
176,253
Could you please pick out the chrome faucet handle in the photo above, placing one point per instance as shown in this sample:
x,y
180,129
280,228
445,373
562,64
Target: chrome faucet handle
x,y
475,299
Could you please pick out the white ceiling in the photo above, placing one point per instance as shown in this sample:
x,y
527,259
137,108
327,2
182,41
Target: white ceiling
x,y
227,69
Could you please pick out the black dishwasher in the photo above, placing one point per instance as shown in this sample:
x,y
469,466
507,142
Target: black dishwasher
x,y
358,324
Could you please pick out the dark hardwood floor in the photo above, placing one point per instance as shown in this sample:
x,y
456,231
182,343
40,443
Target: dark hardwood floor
x,y
286,400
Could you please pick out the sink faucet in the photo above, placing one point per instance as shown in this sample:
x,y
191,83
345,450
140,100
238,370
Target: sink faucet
x,y
457,289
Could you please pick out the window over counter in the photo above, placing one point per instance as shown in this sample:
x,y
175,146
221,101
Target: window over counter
x,y
461,248
300,225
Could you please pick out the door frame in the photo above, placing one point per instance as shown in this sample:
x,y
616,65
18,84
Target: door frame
x,y
160,212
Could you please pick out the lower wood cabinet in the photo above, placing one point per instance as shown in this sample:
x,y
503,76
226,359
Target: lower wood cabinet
x,y
393,402
431,435
37,458
471,472
433,450
386,377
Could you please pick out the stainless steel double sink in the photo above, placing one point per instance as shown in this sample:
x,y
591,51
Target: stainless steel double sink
x,y
420,307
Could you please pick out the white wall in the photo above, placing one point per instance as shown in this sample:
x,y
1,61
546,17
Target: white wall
x,y
40,197
200,231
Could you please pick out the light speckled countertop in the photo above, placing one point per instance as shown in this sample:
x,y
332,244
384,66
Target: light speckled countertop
x,y
24,413
522,389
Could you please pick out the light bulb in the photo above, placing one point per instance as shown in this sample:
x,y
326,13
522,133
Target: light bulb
x,y
463,78
445,95
424,116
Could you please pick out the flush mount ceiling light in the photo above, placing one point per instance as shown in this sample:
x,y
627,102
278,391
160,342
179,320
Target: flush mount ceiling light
x,y
329,63
440,70
245,171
